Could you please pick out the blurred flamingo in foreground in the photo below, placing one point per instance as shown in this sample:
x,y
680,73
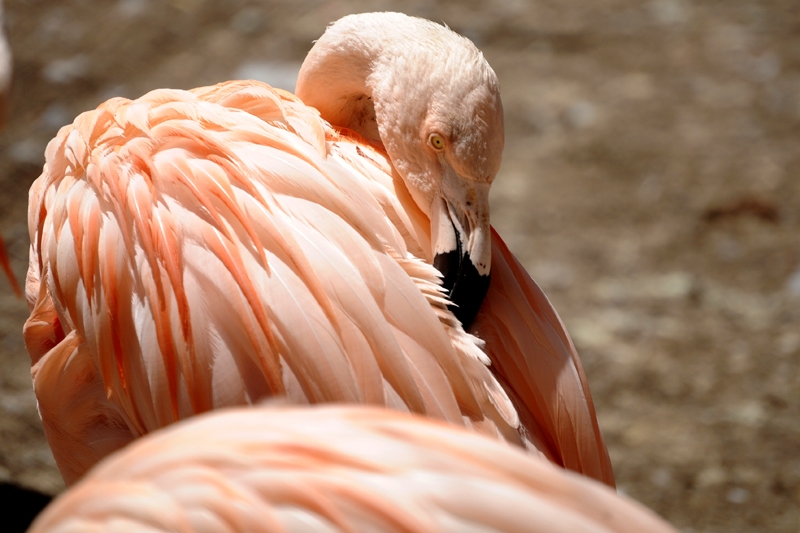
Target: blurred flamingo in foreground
x,y
192,250
334,468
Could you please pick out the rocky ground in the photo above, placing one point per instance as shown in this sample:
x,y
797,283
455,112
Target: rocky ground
x,y
651,184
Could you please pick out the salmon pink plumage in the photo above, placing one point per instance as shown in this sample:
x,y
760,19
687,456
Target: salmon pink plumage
x,y
193,250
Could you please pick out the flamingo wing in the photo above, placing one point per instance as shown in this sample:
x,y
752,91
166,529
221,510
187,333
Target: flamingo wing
x,y
334,468
533,356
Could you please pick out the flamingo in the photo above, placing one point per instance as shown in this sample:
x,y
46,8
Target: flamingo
x,y
334,468
193,250
28,502
5,88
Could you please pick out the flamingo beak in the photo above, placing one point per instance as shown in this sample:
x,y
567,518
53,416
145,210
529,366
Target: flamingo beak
x,y
462,244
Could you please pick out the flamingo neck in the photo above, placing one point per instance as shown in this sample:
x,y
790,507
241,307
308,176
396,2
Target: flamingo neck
x,y
338,75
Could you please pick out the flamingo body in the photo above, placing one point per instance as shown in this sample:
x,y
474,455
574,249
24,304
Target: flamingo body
x,y
192,250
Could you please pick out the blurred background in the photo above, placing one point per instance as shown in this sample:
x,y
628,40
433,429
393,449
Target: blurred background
x,y
650,184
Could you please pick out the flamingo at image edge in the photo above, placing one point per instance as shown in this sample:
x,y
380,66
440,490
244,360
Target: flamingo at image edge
x,y
5,88
192,250
334,468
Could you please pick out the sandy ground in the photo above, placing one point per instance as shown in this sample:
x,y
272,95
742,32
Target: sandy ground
x,y
651,184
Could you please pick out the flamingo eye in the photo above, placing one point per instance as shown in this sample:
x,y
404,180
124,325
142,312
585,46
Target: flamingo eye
x,y
436,141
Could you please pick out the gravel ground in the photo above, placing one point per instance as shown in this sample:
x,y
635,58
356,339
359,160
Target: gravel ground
x,y
651,184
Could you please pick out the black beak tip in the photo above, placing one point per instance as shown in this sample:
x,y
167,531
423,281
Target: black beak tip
x,y
467,286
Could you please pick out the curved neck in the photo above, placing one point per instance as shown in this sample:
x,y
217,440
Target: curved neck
x,y
358,76
336,74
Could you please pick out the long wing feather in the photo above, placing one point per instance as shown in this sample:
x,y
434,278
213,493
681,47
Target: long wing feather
x,y
533,356
334,468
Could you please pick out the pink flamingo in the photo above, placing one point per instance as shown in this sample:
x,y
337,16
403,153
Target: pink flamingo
x,y
192,250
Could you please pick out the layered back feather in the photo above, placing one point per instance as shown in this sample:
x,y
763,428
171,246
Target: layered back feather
x,y
192,250
334,469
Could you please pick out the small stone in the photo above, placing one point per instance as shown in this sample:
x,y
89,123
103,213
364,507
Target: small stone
x,y
540,119
722,95
132,8
64,71
540,47
581,114
54,116
793,283
588,333
248,21
611,290
728,248
765,67
113,91
635,86
782,96
667,12
661,477
512,187
748,475
650,189
710,476
52,24
738,495
28,151
788,343
671,286
552,274
728,40
739,359
512,7
18,404
187,6
639,435
46,480
749,413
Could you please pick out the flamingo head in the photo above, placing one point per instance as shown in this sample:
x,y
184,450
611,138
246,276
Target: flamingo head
x,y
432,99
447,143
